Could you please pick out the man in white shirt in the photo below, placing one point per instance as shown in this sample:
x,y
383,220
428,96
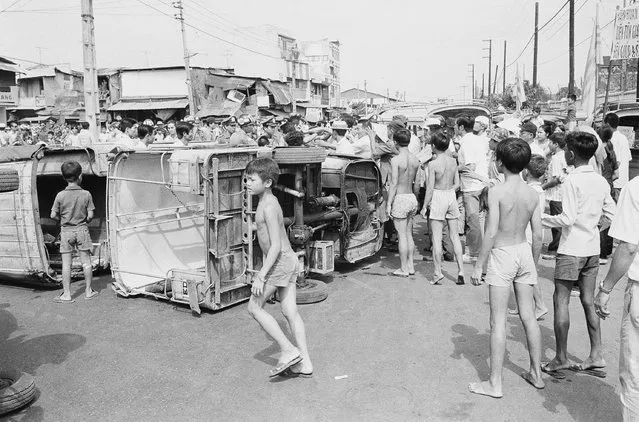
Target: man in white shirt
x,y
585,198
626,261
473,169
144,139
362,143
128,131
85,137
621,147
528,133
343,144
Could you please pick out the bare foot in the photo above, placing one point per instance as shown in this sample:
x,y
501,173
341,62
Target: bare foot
x,y
304,367
592,364
555,365
485,389
287,356
533,380
539,313
400,273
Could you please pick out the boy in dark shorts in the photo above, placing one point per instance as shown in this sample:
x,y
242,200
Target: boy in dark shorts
x,y
73,207
585,197
280,267
512,206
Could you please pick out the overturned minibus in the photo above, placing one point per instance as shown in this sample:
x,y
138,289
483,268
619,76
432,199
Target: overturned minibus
x,y
181,221
29,238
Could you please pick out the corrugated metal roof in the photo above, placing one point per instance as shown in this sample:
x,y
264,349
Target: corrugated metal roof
x,y
281,92
227,82
149,105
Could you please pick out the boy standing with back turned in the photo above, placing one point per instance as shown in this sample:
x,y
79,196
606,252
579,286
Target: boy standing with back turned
x,y
73,207
585,196
279,272
512,206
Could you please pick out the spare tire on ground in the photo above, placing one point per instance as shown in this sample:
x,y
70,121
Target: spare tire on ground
x,y
299,155
9,180
311,291
17,389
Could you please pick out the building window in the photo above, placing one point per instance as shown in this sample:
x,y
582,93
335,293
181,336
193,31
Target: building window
x,y
40,86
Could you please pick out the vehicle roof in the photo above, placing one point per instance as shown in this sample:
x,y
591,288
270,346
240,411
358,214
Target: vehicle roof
x,y
416,113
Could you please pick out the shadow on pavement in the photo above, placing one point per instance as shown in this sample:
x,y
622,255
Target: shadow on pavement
x,y
27,355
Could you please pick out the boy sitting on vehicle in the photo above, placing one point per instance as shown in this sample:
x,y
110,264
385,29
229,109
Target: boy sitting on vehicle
x,y
280,267
73,207
512,206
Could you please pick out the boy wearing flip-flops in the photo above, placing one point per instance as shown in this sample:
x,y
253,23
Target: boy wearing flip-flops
x,y
585,198
73,207
280,267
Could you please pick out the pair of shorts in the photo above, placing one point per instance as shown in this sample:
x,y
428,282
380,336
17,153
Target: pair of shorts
x,y
72,238
576,268
444,205
511,264
404,206
284,271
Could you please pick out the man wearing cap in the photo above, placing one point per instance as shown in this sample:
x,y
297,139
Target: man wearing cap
x,y
271,132
527,133
228,128
343,145
243,137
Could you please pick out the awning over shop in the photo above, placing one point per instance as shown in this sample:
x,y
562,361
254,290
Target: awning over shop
x,y
149,105
228,108
25,108
281,92
36,119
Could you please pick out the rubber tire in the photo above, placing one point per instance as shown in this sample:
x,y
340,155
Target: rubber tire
x,y
9,180
299,155
314,291
21,392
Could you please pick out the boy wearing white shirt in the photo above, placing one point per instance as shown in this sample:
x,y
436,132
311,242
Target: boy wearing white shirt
x,y
622,151
585,197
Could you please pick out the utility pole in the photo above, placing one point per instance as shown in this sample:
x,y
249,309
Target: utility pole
x,y
91,105
295,55
472,77
366,98
482,85
571,47
534,83
495,84
187,57
503,88
490,62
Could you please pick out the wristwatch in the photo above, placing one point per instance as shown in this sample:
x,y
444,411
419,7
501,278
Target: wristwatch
x,y
602,289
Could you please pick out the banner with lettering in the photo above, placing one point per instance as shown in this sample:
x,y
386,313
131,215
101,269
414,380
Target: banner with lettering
x,y
626,35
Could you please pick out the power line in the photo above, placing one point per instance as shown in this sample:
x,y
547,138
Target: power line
x,y
540,29
208,33
566,23
576,45
10,6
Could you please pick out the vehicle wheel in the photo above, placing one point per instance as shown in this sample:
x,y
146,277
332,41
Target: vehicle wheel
x,y
299,155
16,390
9,180
311,291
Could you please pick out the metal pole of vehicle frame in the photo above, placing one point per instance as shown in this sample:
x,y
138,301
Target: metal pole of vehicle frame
x,y
91,105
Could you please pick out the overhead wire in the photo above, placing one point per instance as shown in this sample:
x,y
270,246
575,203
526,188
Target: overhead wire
x,y
10,6
566,23
539,30
208,33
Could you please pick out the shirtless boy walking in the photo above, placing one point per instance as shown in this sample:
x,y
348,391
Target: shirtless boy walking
x,y
512,206
278,273
402,200
443,182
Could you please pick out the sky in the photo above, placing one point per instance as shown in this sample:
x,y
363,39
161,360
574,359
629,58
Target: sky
x,y
420,47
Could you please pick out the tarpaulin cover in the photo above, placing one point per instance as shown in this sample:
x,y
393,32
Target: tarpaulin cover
x,y
19,153
281,92
149,105
228,83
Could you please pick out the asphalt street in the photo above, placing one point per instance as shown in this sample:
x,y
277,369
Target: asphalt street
x,y
384,348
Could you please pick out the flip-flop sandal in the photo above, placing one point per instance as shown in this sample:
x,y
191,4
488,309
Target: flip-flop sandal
x,y
590,371
558,374
92,295
292,374
437,281
278,370
58,299
398,274
411,273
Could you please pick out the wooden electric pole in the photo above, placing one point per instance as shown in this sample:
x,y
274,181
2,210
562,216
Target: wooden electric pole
x,y
490,62
187,57
571,47
482,85
503,88
534,83
472,76
91,105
